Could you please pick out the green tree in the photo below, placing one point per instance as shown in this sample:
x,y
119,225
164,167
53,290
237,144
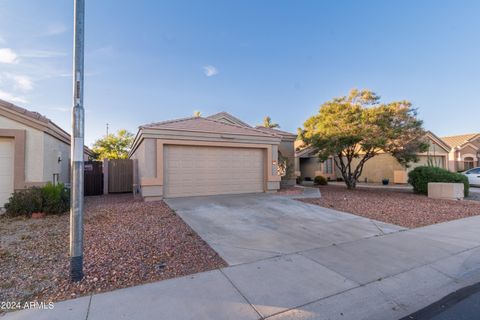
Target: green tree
x,y
267,123
113,146
197,113
357,127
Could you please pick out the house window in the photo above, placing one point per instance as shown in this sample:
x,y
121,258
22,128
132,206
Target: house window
x,y
328,166
468,163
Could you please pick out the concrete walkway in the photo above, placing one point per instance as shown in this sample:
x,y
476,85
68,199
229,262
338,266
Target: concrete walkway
x,y
386,276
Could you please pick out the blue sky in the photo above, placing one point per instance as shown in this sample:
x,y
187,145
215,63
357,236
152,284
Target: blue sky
x,y
156,60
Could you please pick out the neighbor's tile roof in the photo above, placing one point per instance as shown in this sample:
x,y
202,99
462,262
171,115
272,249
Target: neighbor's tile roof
x,y
200,124
31,114
46,124
455,141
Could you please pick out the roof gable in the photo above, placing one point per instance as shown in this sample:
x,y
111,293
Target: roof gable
x,y
438,141
228,118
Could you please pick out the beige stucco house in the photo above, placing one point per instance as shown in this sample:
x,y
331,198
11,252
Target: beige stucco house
x,y
196,156
33,150
382,166
464,151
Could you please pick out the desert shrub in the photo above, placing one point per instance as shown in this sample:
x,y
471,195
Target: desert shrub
x,y
52,199
421,176
320,180
23,203
56,198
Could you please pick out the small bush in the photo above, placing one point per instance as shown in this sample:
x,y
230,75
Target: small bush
x,y
299,180
49,199
56,199
421,176
23,203
320,180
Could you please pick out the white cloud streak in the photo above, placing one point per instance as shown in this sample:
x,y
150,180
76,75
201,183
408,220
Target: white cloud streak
x,y
210,71
23,83
7,55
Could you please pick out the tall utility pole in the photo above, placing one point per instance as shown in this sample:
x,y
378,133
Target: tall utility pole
x,y
76,204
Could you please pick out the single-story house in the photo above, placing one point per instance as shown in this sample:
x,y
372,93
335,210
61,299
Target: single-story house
x,y
33,150
382,166
464,151
199,156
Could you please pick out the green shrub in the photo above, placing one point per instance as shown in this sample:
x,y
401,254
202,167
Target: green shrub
x,y
49,199
23,203
299,180
56,198
320,180
421,176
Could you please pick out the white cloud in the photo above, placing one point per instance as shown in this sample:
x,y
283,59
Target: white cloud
x,y
23,83
210,71
12,98
7,55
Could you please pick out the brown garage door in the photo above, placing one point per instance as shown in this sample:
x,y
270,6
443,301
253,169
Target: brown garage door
x,y
197,171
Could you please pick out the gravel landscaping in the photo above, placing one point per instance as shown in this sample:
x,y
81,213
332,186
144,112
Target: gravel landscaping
x,y
289,191
127,242
400,207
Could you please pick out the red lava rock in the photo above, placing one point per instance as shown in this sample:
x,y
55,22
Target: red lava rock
x,y
125,240
290,191
400,207
38,215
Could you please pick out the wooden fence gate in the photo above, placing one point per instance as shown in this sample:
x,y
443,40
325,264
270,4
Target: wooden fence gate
x,y
93,178
120,175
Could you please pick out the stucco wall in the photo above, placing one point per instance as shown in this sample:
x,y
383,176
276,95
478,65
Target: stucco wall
x,y
145,154
53,149
34,149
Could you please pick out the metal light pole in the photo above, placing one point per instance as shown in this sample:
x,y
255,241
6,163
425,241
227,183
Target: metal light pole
x,y
76,204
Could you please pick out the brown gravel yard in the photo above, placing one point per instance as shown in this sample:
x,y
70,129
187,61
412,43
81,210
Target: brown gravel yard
x,y
288,191
127,243
399,207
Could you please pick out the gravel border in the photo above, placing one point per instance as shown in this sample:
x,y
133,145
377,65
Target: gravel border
x,y
127,242
400,207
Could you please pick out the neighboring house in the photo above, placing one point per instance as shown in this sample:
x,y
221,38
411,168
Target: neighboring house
x,y
33,150
382,166
464,151
199,156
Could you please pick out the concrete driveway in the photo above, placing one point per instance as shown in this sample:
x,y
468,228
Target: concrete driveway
x,y
307,263
246,228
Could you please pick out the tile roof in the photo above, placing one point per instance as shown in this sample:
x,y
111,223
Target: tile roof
x,y
276,131
456,141
46,124
200,124
23,111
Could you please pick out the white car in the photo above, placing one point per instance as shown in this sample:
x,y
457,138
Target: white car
x,y
473,176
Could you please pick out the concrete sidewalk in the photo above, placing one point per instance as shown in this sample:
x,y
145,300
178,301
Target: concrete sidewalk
x,y
382,277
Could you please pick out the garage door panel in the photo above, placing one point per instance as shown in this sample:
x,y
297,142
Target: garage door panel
x,y
6,170
192,171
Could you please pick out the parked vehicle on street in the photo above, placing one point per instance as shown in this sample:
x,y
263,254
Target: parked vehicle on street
x,y
473,176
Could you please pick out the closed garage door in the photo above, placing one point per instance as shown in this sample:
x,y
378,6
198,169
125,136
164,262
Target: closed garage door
x,y
196,171
6,169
